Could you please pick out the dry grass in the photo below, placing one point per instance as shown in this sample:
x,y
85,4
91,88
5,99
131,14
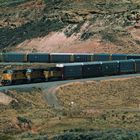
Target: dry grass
x,y
106,103
103,94
88,105
30,105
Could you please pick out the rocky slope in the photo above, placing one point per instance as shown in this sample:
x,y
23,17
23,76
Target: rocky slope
x,y
70,25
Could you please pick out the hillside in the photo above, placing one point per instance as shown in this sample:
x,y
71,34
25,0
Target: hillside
x,y
90,110
70,25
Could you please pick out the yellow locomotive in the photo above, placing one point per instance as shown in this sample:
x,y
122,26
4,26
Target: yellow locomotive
x,y
12,77
52,73
35,75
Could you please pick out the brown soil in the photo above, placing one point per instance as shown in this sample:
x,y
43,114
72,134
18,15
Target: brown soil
x,y
59,42
64,44
4,99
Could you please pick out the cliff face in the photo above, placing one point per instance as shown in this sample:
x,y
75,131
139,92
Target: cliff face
x,y
70,25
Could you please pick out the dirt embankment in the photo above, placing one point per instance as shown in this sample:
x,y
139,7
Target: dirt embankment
x,y
4,99
23,111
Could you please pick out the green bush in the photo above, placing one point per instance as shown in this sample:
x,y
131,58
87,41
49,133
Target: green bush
x,y
12,37
114,134
5,137
109,36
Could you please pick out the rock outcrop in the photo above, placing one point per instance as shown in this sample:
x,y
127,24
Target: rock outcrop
x,y
104,20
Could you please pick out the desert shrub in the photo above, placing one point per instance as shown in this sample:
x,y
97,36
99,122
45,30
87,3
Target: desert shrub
x,y
11,37
114,134
31,136
138,42
86,35
108,36
5,137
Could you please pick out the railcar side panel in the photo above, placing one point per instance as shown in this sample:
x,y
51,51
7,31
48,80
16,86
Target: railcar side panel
x,y
92,69
133,56
14,57
110,68
118,57
137,65
61,57
38,57
82,57
1,57
71,71
127,66
102,57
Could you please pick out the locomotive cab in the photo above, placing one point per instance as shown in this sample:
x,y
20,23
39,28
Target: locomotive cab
x,y
11,77
7,77
53,73
35,75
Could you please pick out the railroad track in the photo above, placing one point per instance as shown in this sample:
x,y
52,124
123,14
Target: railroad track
x,y
48,85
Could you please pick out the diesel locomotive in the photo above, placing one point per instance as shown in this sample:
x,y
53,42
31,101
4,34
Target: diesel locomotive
x,y
14,77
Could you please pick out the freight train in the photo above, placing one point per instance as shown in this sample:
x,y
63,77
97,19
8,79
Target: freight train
x,y
71,71
63,57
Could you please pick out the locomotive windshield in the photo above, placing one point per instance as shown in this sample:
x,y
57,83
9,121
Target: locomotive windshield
x,y
29,70
8,71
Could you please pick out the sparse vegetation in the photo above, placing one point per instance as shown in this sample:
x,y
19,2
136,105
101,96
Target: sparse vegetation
x,y
89,108
117,134
28,31
111,103
25,20
6,137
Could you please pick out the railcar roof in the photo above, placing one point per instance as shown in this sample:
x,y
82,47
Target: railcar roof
x,y
84,54
38,53
61,54
119,54
101,54
69,64
14,53
133,54
129,60
13,71
35,69
90,63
